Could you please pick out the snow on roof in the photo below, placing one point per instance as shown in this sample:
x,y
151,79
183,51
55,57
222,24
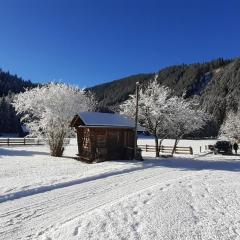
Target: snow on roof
x,y
106,119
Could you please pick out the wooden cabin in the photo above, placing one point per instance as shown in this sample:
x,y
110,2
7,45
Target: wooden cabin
x,y
104,136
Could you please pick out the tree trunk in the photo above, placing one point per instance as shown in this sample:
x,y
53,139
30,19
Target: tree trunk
x,y
57,151
160,144
156,146
56,142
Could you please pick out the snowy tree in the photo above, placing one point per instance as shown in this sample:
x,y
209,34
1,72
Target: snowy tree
x,y
230,128
185,118
162,114
47,111
153,109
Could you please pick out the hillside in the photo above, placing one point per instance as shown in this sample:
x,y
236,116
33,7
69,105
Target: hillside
x,y
223,91
180,78
115,92
10,85
215,83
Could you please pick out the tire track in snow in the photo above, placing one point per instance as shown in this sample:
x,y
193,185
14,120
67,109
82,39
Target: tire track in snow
x,y
50,207
43,189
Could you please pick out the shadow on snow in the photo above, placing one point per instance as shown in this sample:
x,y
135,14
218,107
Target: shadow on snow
x,y
23,153
183,164
196,164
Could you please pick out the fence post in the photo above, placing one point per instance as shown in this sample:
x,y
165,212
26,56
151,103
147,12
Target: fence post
x,y
200,149
38,141
24,141
191,150
146,147
8,142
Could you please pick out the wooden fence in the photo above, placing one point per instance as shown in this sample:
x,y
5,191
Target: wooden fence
x,y
167,149
26,141
20,141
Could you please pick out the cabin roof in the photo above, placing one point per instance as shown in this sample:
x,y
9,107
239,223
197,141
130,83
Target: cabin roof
x,y
106,119
114,120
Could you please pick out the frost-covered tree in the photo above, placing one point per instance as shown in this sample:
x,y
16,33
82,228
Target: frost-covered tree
x,y
186,118
230,128
154,107
162,114
47,111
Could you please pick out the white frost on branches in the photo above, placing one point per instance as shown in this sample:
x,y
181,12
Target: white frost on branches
x,y
47,111
153,106
230,128
185,118
162,114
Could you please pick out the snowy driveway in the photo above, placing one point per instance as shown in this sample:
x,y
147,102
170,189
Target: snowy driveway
x,y
178,198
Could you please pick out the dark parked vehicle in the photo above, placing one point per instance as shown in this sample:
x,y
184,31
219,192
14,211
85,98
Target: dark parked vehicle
x,y
223,147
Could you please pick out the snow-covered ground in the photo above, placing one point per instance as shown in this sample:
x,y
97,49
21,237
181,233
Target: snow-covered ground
x,y
185,197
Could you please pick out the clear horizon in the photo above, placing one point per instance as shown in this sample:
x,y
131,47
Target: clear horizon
x,y
86,43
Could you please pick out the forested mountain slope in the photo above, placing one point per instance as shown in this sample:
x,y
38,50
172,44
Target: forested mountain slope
x,y
222,94
189,79
215,83
115,92
10,85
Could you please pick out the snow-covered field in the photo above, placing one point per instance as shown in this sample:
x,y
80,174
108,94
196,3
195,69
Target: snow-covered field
x,y
185,197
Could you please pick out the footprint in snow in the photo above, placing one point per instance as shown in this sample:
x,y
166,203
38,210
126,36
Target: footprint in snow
x,y
103,227
136,224
75,232
145,201
40,234
135,212
207,190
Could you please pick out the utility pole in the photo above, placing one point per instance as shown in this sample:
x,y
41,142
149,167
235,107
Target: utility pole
x,y
136,120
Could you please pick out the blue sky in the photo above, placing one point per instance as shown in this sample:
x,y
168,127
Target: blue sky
x,y
87,42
